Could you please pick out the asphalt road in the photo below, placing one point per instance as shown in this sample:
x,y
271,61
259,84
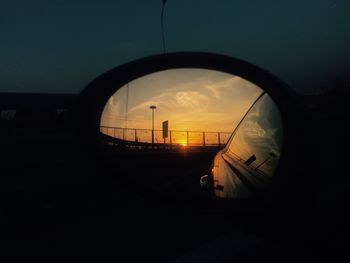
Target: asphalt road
x,y
168,172
56,206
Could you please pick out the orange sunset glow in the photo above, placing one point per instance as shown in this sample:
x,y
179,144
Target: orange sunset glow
x,y
193,101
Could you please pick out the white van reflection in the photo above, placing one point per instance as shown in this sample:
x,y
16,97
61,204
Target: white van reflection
x,y
245,166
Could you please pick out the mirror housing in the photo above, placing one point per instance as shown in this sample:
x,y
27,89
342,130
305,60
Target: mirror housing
x,y
93,98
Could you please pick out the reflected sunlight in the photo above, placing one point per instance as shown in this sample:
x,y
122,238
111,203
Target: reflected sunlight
x,y
195,100
181,124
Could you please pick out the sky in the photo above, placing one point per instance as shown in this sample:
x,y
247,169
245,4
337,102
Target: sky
x,y
190,99
60,46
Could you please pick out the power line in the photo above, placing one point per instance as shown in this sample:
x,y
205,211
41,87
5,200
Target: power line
x,y
162,25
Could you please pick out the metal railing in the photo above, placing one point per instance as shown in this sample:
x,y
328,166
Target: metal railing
x,y
174,137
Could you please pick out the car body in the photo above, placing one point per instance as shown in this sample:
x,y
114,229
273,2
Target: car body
x,y
248,161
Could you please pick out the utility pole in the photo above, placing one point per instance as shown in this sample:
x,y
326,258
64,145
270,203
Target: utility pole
x,y
153,107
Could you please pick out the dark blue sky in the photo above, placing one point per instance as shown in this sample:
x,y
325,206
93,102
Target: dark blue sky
x,y
60,46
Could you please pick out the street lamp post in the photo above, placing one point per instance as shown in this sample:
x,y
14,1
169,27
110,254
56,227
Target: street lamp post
x,y
152,107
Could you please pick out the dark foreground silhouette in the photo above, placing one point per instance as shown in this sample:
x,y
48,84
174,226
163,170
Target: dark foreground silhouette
x,y
56,206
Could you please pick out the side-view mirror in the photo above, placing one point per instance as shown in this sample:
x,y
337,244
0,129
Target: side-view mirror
x,y
158,124
204,182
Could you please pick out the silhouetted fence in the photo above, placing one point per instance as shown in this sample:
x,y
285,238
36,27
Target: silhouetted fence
x,y
188,138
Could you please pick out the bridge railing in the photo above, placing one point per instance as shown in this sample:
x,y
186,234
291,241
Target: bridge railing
x,y
175,137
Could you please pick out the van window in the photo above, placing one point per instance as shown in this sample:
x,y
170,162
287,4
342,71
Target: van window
x,y
258,140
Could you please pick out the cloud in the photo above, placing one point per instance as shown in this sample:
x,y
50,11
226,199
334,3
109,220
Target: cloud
x,y
232,86
190,99
211,100
174,100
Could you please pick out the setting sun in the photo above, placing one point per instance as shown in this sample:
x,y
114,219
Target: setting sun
x,y
200,107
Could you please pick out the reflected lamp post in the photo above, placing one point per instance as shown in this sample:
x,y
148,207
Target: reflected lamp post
x,y
152,107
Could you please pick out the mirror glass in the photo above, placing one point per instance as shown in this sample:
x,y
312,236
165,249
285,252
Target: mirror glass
x,y
193,133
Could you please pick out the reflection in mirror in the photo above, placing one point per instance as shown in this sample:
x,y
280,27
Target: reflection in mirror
x,y
193,133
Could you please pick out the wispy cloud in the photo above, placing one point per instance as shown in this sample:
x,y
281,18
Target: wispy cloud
x,y
214,101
